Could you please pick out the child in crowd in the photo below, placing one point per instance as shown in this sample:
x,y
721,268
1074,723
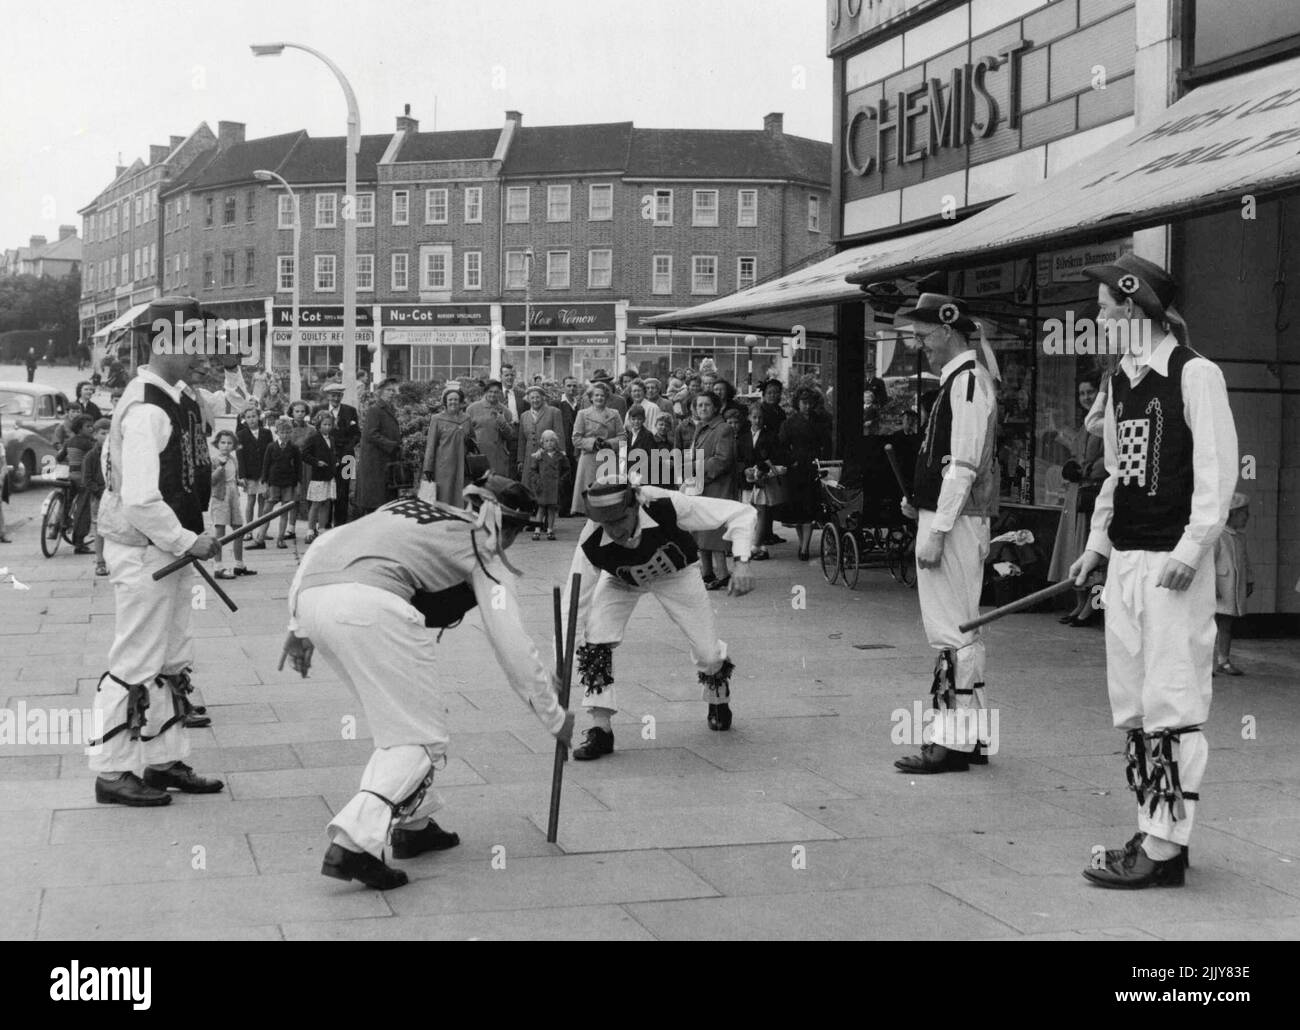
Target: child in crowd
x,y
547,468
76,446
223,508
253,439
280,467
640,442
93,483
662,471
319,454
1234,581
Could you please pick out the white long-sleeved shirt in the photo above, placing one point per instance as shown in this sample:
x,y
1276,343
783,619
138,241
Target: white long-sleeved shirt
x,y
145,432
970,428
694,515
1214,453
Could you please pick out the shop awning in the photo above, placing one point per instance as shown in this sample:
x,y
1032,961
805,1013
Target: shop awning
x,y
122,321
1221,146
802,297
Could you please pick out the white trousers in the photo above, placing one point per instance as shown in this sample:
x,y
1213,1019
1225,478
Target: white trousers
x,y
1159,667
684,598
152,637
378,645
950,595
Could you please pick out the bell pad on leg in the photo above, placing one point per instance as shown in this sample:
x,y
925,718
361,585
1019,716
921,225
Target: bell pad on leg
x,y
595,667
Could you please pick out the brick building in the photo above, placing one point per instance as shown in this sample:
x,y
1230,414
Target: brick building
x,y
40,257
544,246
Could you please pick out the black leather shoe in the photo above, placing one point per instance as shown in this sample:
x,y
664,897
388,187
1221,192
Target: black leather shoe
x,y
1135,842
596,743
129,790
1136,870
195,721
409,843
934,758
181,777
978,757
713,717
343,864
723,716
718,584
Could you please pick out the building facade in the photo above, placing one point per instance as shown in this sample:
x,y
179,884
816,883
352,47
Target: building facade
x,y
58,260
539,246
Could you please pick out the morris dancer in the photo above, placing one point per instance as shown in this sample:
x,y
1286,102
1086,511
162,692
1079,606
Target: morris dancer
x,y
365,595
1171,455
638,541
158,477
955,491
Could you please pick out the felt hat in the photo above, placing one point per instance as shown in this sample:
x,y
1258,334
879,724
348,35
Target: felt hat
x,y
332,388
516,501
937,309
1149,285
600,376
608,499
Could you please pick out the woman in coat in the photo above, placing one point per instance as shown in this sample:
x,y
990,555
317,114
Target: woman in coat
x,y
533,422
494,429
713,458
381,444
805,437
595,429
1084,473
451,436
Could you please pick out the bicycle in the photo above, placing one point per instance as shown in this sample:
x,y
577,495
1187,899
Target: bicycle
x,y
57,517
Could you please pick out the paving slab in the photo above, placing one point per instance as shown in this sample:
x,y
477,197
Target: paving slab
x,y
624,830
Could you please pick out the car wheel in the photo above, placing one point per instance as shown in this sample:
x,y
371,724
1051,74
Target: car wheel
x,y
20,476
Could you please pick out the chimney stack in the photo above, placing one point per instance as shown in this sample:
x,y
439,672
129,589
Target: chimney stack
x,y
118,173
67,230
774,123
158,153
406,122
516,117
229,133
37,242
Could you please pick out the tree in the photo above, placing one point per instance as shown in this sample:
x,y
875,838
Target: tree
x,y
45,304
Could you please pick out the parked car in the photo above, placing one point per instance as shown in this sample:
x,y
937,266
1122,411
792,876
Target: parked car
x,y
30,414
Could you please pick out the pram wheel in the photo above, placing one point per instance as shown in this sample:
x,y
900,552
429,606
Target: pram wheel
x,y
850,559
830,552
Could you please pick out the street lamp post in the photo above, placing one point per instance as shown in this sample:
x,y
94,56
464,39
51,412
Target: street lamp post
x,y
349,215
295,374
528,305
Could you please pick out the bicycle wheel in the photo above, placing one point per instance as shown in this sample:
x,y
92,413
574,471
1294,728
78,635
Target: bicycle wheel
x,y
830,552
851,559
905,560
52,523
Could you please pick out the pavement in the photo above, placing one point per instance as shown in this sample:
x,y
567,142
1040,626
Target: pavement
x,y
794,825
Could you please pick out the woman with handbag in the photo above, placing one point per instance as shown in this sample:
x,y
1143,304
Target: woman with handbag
x,y
451,437
712,472
381,445
595,429
1084,473
758,451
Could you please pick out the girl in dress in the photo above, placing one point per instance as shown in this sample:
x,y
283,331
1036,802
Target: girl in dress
x,y
223,508
1234,581
320,456
547,468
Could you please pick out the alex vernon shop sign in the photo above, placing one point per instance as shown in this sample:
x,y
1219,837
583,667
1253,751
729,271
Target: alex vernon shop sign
x,y
559,318
933,116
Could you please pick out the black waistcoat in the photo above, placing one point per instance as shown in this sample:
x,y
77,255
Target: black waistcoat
x,y
936,450
661,551
1153,448
184,466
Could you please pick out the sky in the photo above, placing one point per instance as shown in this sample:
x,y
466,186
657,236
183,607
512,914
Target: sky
x,y
83,82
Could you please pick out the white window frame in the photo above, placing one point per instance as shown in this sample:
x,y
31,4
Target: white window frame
x,y
472,269
656,275
323,266
741,208
427,253
699,216
365,210
250,272
431,197
399,275
250,207
552,271
696,274
753,279
600,189
230,202
405,196
814,213
553,202
663,194
209,272
473,208
284,273
365,272
284,210
513,192
327,204
608,284
519,282
234,267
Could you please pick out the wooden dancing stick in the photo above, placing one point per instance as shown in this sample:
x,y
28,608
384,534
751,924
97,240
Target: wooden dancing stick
x,y
230,537
564,662
898,473
1018,606
202,570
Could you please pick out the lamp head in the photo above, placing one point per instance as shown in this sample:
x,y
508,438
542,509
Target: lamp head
x,y
267,49
264,175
